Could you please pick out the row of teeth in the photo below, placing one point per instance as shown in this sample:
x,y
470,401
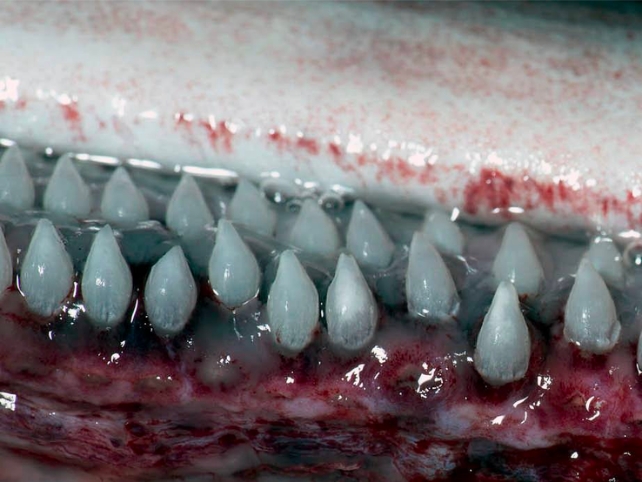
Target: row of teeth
x,y
503,345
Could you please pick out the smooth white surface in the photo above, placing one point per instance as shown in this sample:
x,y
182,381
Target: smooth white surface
x,y
417,101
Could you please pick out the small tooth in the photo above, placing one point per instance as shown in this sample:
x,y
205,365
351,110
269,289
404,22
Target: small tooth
x,y
6,264
590,320
66,192
250,208
170,293
293,305
187,212
46,275
503,345
607,260
106,281
16,185
233,270
367,240
443,233
314,231
517,262
430,288
122,202
351,310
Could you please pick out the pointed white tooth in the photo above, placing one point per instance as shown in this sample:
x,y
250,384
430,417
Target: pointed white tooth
x,y
233,270
314,231
170,293
250,208
503,347
590,320
293,305
66,192
106,281
607,260
16,185
351,310
187,212
46,275
6,264
367,240
517,262
443,233
430,288
122,202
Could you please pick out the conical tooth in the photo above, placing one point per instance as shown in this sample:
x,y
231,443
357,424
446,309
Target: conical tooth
x,y
517,262
430,288
443,233
170,293
503,345
66,192
314,231
106,281
250,208
16,185
187,212
6,264
351,310
590,320
233,270
367,240
122,202
607,260
46,275
293,305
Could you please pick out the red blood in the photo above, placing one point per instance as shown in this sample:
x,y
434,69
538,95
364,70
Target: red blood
x,y
219,135
71,114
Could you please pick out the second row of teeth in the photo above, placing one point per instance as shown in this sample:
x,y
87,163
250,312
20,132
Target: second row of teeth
x,y
503,345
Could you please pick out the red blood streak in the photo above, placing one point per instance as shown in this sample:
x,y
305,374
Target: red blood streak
x,y
21,104
308,145
219,135
71,114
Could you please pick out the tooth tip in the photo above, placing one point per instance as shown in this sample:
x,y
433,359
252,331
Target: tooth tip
x,y
46,275
122,202
351,311
590,317
293,306
430,289
314,231
187,211
170,293
250,208
443,233
107,281
233,270
16,185
502,352
67,192
517,261
366,238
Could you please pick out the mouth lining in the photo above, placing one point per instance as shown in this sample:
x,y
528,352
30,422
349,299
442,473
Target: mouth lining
x,y
134,375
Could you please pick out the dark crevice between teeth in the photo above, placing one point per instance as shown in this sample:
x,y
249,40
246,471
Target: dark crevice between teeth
x,y
146,255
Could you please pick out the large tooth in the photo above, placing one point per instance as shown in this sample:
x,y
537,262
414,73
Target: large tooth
x,y
170,293
106,281
16,185
233,270
503,347
590,319
187,212
66,192
46,275
517,262
430,288
607,260
250,208
6,264
122,202
351,310
367,240
293,305
443,233
314,231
